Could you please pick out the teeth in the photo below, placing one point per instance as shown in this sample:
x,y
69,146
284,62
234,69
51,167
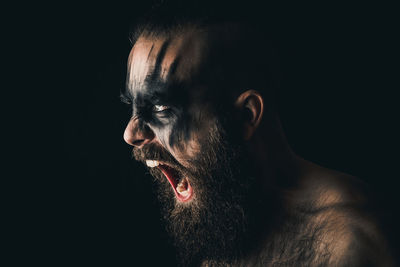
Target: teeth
x,y
181,189
152,163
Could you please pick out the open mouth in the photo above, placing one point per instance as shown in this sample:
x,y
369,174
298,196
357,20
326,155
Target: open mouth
x,y
180,184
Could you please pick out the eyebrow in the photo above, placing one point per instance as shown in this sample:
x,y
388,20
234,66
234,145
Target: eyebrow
x,y
127,98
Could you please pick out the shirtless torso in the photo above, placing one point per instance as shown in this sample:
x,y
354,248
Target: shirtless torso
x,y
328,222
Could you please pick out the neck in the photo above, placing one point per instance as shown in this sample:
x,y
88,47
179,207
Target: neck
x,y
275,163
275,167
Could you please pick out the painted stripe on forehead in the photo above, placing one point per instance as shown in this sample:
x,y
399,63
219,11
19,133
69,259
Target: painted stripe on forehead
x,y
155,74
173,67
151,49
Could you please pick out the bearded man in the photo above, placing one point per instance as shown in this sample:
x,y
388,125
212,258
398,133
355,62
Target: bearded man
x,y
204,121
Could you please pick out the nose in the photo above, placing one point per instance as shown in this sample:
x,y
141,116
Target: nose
x,y
135,135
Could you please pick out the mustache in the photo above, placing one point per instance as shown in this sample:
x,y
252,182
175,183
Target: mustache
x,y
155,152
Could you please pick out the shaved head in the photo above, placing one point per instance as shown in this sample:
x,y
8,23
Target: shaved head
x,y
160,57
229,57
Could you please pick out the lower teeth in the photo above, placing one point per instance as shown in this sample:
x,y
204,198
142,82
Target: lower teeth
x,y
182,188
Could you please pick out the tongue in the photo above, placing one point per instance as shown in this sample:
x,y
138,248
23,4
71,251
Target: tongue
x,y
181,187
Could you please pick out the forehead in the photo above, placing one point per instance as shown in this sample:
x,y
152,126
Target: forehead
x,y
165,59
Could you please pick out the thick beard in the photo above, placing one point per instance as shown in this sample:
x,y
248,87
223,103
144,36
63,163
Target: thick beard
x,y
214,225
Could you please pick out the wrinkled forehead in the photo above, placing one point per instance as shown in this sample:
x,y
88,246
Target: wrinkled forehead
x,y
165,59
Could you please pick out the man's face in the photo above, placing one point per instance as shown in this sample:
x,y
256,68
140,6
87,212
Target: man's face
x,y
168,111
179,130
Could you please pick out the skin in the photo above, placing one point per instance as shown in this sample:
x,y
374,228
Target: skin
x,y
335,203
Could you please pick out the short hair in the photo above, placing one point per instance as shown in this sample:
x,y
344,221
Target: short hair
x,y
255,67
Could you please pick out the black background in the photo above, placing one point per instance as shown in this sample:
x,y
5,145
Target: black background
x,y
337,103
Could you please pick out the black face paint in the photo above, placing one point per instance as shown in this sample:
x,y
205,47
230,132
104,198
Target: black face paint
x,y
176,124
173,67
155,74
151,49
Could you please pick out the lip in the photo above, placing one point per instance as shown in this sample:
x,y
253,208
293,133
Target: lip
x,y
170,173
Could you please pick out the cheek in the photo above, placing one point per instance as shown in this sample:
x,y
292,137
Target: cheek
x,y
190,149
193,147
182,141
163,135
184,137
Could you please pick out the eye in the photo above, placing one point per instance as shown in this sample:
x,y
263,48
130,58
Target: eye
x,y
160,108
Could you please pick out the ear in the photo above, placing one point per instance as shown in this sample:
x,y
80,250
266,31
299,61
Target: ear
x,y
251,106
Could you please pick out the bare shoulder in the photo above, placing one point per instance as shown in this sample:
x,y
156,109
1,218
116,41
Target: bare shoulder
x,y
337,216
